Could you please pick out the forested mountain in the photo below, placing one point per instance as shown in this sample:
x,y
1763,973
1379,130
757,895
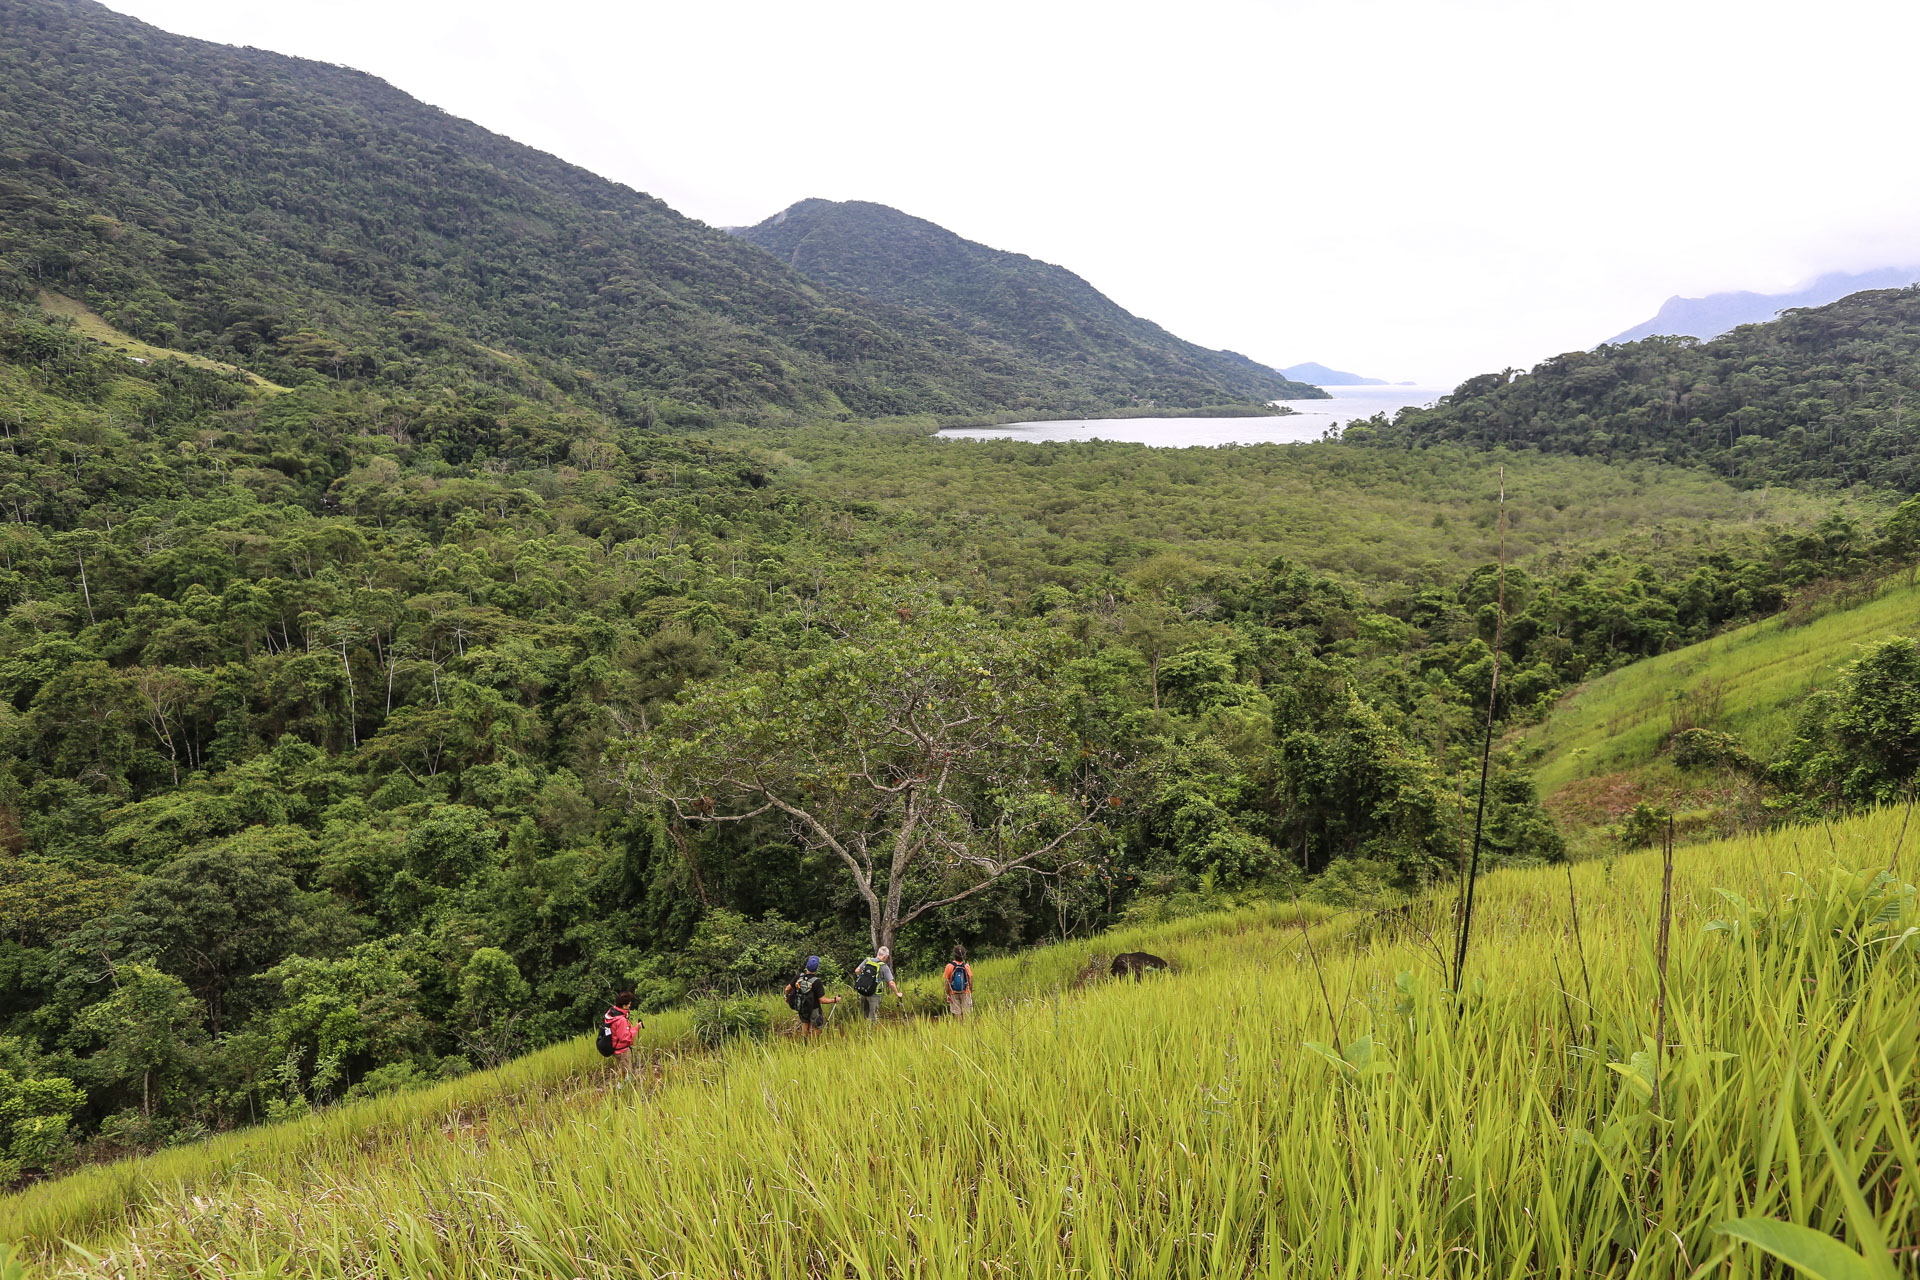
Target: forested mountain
x,y
1034,310
311,223
1824,396
1713,315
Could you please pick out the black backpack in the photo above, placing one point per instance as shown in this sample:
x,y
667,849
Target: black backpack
x,y
803,987
604,1041
866,978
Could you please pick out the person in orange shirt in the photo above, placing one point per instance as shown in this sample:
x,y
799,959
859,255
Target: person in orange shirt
x,y
959,983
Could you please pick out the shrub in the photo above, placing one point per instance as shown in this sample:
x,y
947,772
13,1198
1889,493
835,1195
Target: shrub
x,y
717,1021
1707,749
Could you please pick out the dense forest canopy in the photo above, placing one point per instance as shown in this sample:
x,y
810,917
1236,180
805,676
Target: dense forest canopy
x,y
311,223
1044,312
1822,396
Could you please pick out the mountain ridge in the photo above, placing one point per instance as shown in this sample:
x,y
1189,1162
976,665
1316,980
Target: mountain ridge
x,y
1033,309
1816,398
310,222
1710,316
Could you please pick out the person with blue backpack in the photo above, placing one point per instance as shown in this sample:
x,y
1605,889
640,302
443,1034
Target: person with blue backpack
x,y
959,983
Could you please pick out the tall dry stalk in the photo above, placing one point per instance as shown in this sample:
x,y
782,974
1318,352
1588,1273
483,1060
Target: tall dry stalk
x,y
1660,1008
1333,1023
1579,944
1893,863
1486,747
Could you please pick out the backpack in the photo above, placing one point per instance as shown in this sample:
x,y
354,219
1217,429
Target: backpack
x,y
961,979
866,978
604,1041
802,992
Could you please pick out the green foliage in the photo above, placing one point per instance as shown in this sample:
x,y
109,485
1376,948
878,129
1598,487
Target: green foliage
x,y
35,1112
151,1038
918,745
1646,825
728,953
1014,518
1859,741
1708,749
719,1020
1815,397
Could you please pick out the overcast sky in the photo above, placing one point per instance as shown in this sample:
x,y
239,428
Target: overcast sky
x,y
1413,189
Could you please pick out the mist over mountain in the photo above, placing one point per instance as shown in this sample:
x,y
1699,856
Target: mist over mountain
x,y
1034,310
1715,314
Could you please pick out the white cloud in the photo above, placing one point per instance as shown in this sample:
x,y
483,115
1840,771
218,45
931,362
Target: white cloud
x,y
1410,188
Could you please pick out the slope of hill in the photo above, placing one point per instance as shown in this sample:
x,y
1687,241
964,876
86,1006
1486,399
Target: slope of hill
x,y
1605,748
1213,1122
1033,310
1320,376
311,223
1824,396
1713,315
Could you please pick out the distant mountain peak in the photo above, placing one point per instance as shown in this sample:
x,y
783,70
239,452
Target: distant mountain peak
x,y
1715,314
1319,375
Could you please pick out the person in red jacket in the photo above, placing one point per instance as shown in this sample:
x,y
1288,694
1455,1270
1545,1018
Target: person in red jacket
x,y
621,1024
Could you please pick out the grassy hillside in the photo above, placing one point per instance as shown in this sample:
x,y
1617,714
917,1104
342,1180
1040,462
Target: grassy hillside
x,y
1034,309
311,223
1817,397
1279,1106
1601,749
90,325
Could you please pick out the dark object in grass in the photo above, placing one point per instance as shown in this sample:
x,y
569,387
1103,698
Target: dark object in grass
x,y
1136,964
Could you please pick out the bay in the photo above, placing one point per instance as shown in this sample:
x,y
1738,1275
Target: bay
x,y
1310,420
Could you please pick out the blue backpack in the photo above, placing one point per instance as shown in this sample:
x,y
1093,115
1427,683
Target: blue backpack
x,y
961,979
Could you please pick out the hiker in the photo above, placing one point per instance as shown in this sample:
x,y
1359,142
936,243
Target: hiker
x,y
617,1026
867,977
959,982
805,996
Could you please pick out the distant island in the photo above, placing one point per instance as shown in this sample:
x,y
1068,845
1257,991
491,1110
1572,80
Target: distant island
x,y
1320,376
1715,314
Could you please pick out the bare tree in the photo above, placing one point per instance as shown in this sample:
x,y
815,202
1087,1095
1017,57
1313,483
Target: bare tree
x,y
923,747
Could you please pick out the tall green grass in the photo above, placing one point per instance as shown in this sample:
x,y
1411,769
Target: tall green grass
x,y
1206,1124
1748,682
